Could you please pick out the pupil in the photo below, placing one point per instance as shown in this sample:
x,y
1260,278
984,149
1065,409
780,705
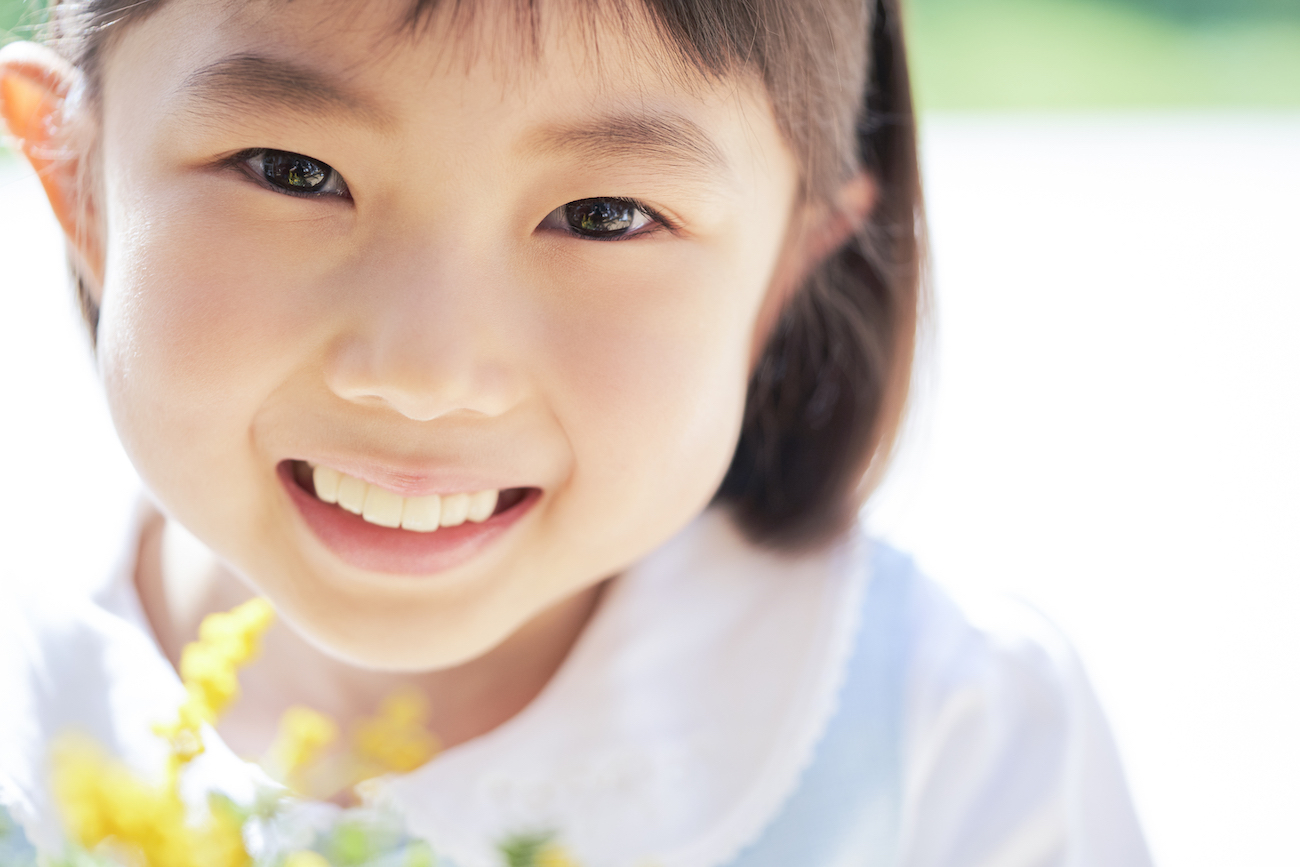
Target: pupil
x,y
293,171
600,216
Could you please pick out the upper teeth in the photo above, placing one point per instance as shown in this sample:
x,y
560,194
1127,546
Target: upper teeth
x,y
381,506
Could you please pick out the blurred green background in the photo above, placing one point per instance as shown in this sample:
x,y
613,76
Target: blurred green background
x,y
1070,54
1106,54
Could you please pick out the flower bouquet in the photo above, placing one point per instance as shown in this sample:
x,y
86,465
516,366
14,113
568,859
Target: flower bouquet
x,y
115,818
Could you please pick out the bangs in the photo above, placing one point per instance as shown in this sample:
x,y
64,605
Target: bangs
x,y
811,56
514,35
687,45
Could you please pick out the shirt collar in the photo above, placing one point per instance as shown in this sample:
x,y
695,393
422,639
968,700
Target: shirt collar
x,y
680,723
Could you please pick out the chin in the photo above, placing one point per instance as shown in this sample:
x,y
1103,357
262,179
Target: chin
x,y
380,639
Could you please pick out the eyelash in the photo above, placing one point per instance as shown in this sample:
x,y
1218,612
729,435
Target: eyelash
x,y
243,159
656,222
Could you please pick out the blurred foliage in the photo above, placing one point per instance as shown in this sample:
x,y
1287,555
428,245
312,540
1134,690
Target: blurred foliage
x,y
1069,54
1105,54
1218,10
17,17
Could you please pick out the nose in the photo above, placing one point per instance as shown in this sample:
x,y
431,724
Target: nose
x,y
428,344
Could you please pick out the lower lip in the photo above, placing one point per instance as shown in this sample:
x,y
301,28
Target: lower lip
x,y
404,552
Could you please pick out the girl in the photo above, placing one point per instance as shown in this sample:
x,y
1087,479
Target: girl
x,y
534,358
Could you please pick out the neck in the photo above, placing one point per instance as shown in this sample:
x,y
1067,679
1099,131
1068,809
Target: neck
x,y
180,582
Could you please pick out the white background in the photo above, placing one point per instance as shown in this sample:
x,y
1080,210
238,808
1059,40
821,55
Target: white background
x,y
1107,424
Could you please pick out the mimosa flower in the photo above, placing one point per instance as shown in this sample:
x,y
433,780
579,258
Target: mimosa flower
x,y
115,818
226,643
396,739
302,737
554,856
107,806
209,670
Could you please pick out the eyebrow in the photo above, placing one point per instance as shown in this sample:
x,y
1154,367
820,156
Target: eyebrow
x,y
667,138
242,82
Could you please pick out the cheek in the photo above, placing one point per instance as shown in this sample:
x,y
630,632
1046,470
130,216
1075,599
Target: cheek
x,y
654,369
202,317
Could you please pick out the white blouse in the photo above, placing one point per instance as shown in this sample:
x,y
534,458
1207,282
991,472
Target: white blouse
x,y
690,725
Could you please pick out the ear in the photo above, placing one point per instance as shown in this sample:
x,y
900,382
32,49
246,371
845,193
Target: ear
x,y
35,88
816,231
827,227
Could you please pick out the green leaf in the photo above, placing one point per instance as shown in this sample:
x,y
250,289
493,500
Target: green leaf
x,y
523,850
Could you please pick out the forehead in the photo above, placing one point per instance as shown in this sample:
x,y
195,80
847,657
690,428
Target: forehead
x,y
386,64
512,35
402,44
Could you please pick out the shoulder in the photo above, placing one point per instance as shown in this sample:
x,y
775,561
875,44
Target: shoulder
x,y
1006,755
997,656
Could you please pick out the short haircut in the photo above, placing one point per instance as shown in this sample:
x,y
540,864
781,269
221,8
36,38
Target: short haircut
x,y
826,397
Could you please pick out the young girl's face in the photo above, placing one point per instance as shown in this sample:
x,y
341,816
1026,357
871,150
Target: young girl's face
x,y
438,265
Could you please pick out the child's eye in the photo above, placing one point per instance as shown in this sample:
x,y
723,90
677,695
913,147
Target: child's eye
x,y
295,174
603,219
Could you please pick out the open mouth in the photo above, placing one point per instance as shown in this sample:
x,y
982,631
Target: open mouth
x,y
376,529
383,508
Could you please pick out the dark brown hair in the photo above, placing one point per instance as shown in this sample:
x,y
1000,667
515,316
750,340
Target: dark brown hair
x,y
827,395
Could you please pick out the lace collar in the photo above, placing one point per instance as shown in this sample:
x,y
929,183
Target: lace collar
x,y
678,726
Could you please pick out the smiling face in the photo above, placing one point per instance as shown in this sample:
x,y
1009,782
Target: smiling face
x,y
428,273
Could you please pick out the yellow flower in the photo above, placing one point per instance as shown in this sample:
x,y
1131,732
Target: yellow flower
x,y
106,805
303,734
396,738
209,670
226,642
554,856
302,737
306,858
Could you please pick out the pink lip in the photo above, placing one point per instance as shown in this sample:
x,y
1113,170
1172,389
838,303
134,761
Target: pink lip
x,y
381,549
